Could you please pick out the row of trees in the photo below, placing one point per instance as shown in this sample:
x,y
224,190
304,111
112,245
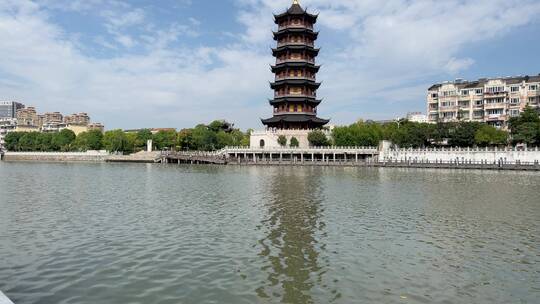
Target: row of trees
x,y
524,129
216,135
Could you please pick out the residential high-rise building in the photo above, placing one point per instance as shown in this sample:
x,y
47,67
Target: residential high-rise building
x,y
77,119
493,101
96,126
8,109
53,118
27,117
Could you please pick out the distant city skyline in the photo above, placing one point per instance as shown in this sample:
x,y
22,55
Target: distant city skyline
x,y
177,63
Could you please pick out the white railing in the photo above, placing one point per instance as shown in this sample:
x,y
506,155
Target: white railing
x,y
297,149
459,149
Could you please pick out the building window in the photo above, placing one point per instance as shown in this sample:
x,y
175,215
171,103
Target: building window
x,y
478,114
448,114
261,143
533,87
513,112
495,111
514,89
494,100
446,104
479,91
479,102
495,89
465,92
514,100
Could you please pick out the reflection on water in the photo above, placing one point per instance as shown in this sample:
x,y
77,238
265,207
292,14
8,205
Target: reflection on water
x,y
159,234
293,237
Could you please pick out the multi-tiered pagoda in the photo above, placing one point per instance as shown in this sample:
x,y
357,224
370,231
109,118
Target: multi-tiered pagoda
x,y
295,99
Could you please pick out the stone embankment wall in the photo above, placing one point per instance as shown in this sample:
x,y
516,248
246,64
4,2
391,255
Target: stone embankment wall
x,y
462,155
91,156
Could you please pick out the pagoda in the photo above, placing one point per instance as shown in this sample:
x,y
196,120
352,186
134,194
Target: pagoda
x,y
295,87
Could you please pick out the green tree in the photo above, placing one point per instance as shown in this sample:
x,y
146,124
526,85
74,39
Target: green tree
x,y
203,138
12,141
185,139
165,139
282,140
91,140
116,141
317,138
294,142
463,134
44,142
490,136
62,140
525,128
224,139
29,141
142,138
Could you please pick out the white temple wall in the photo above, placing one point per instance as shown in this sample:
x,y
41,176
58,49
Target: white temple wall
x,y
270,138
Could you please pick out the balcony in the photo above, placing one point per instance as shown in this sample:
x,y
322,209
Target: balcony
x,y
495,94
495,117
284,43
278,61
294,77
295,26
292,94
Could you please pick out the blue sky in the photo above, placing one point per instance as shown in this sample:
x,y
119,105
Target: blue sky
x,y
177,63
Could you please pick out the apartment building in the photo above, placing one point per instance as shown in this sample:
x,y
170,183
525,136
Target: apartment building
x,y
493,101
77,119
27,117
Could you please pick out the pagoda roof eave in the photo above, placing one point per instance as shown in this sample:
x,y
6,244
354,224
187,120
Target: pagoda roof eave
x,y
307,83
308,32
306,100
295,118
295,10
285,48
284,65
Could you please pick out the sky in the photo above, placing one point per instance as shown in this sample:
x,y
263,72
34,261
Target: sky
x,y
178,63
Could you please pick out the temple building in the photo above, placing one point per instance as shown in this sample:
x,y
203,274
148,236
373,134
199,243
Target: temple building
x,y
295,86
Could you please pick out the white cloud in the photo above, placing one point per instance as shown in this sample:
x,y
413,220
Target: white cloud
x,y
387,49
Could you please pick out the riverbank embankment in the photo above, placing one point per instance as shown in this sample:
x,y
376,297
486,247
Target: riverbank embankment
x,y
90,156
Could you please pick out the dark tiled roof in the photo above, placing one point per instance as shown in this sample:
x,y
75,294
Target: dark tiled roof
x,y
296,9
307,65
306,100
295,118
307,32
298,47
301,82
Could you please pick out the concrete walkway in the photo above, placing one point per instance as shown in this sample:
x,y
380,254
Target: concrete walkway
x,y
4,299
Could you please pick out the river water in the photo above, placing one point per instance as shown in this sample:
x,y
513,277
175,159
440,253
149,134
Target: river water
x,y
122,233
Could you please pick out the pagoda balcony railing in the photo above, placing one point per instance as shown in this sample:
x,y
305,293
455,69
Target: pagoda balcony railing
x,y
294,95
295,77
295,26
295,60
280,44
293,112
